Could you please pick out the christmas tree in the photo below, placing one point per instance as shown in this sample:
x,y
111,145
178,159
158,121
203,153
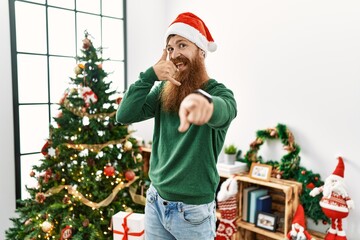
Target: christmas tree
x,y
92,166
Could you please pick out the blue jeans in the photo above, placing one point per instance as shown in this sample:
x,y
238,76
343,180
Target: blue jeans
x,y
166,220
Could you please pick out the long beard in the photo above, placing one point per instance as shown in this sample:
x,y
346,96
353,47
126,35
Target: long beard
x,y
192,78
338,187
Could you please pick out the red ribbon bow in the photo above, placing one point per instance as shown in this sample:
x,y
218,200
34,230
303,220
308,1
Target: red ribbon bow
x,y
126,232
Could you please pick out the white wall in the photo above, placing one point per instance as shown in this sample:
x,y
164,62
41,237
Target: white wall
x,y
291,62
7,167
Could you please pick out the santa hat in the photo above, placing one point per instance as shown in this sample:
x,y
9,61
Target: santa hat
x,y
299,216
191,27
339,170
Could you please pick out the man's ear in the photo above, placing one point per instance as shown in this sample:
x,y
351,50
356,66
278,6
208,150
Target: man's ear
x,y
202,53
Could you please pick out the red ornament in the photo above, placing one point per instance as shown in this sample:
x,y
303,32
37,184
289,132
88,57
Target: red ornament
x,y
44,149
129,175
310,186
303,172
66,233
118,100
109,170
316,178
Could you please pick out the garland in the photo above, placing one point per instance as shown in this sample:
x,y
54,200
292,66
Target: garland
x,y
71,190
289,163
80,113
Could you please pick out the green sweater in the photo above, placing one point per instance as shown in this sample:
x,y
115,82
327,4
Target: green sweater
x,y
182,165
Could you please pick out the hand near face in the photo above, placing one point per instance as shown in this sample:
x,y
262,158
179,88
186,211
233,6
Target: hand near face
x,y
165,69
194,109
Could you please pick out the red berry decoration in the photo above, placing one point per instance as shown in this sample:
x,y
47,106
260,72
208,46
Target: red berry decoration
x,y
129,175
303,172
109,171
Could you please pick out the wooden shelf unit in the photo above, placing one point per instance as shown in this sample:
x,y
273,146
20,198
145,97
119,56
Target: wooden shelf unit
x,y
291,191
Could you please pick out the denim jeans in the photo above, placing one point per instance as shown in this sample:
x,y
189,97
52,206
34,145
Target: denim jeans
x,y
166,220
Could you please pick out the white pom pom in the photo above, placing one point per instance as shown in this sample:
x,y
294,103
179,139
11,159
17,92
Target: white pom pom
x,y
212,47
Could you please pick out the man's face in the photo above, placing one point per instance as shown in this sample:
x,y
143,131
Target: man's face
x,y
192,73
181,51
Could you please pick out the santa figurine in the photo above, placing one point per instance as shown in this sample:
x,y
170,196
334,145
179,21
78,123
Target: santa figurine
x,y
335,202
298,228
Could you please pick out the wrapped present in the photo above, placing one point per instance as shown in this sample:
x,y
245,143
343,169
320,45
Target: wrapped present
x,y
128,226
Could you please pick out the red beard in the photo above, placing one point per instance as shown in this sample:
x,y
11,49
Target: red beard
x,y
191,78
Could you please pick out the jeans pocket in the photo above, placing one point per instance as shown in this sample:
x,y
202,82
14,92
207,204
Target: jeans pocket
x,y
197,214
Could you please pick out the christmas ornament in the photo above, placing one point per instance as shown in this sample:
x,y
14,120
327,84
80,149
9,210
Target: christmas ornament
x,y
118,100
27,222
129,175
40,197
66,233
86,222
127,146
298,227
44,149
335,202
310,185
88,95
227,205
78,70
86,44
46,226
109,170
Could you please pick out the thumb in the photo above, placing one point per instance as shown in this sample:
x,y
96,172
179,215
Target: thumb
x,y
164,55
184,123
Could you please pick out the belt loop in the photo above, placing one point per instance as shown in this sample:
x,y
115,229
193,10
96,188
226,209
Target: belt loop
x,y
180,206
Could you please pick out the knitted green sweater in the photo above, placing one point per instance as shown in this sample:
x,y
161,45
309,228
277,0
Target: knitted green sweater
x,y
182,165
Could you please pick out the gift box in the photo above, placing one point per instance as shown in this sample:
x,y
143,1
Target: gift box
x,y
128,226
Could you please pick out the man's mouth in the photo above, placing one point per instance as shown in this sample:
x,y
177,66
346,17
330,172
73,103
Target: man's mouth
x,y
180,66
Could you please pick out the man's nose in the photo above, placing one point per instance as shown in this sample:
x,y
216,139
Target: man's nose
x,y
175,54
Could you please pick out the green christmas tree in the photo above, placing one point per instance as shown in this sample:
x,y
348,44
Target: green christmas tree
x,y
92,166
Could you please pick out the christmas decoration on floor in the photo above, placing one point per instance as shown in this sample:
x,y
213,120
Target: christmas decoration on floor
x,y
89,163
288,167
298,226
335,202
227,205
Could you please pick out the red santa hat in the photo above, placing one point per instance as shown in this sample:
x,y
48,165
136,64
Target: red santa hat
x,y
338,173
299,216
191,27
299,219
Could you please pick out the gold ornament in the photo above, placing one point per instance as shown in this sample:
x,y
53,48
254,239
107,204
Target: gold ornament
x,y
128,146
46,226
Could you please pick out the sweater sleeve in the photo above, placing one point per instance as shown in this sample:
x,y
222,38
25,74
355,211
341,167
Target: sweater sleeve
x,y
140,100
225,108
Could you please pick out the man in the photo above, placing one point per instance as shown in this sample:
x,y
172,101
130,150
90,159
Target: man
x,y
192,115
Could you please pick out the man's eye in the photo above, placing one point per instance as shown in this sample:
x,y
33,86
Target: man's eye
x,y
170,49
182,45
